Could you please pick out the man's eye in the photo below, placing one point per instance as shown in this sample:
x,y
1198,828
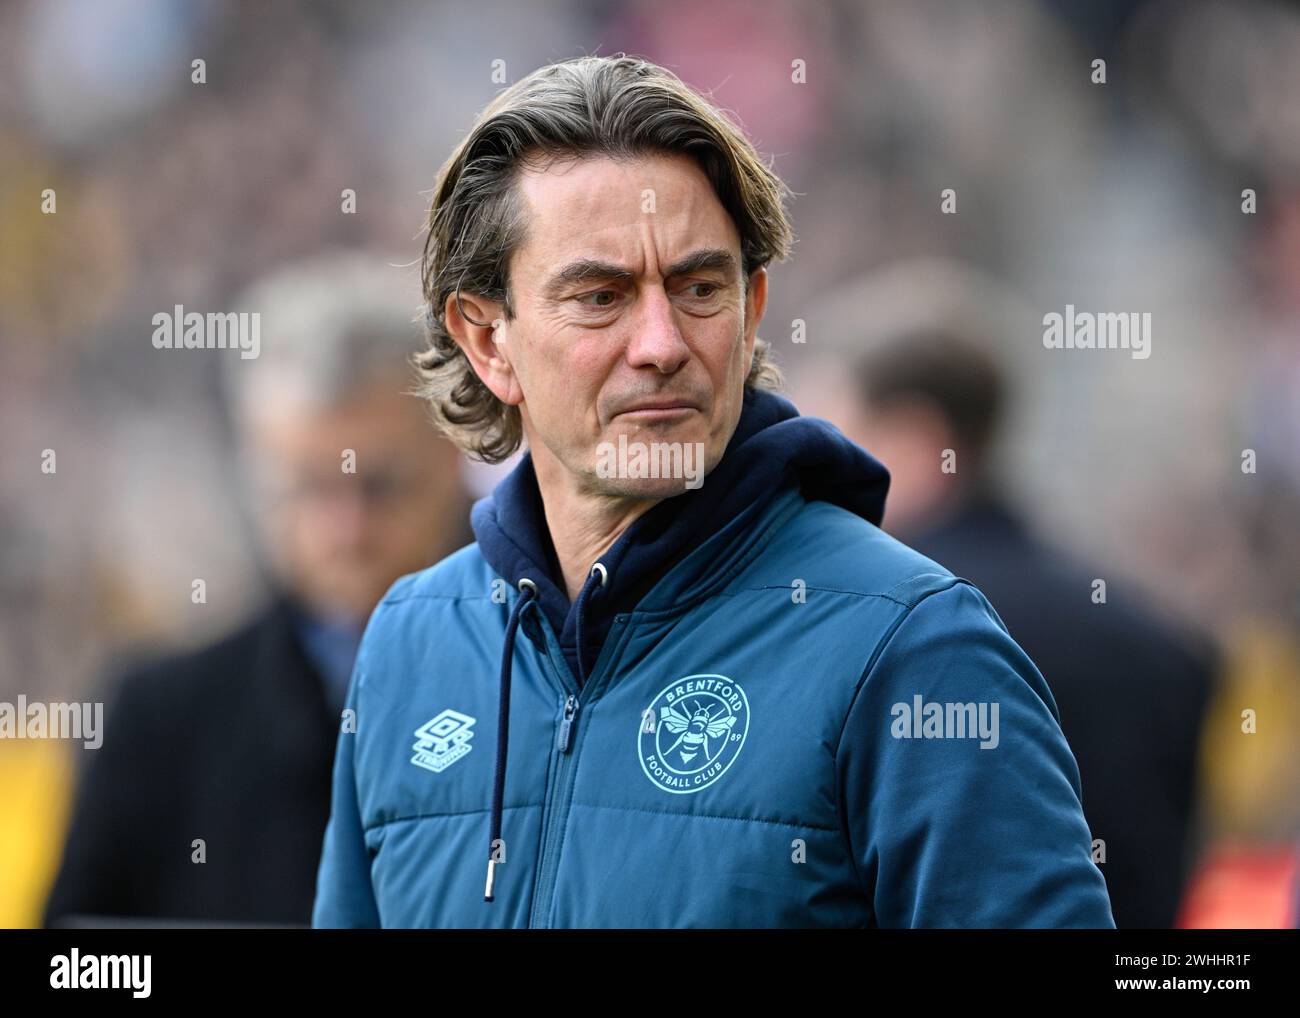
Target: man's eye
x,y
586,297
711,287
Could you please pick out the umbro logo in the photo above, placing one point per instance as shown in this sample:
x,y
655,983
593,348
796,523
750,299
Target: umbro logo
x,y
443,740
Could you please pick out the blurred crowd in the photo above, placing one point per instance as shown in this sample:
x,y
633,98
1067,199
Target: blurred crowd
x,y
133,179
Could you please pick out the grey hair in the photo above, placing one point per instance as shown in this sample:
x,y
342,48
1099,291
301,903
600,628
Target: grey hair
x,y
617,106
330,325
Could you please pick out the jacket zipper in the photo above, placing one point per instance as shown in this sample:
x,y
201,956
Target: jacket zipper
x,y
557,803
564,739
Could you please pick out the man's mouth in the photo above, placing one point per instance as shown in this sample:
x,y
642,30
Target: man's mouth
x,y
657,411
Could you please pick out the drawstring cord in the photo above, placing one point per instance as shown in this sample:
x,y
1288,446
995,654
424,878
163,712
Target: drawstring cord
x,y
584,596
527,591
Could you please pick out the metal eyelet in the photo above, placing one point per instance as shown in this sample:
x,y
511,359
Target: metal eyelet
x,y
604,573
526,582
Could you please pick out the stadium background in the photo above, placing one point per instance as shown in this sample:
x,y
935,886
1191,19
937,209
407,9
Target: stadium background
x,y
1122,196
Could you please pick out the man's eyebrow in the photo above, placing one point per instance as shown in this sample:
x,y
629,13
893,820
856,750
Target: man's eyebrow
x,y
705,260
586,270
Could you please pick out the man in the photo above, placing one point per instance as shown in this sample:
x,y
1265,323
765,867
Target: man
x,y
208,799
716,703
1131,688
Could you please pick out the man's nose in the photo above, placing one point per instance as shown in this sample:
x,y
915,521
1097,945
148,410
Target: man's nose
x,y
656,340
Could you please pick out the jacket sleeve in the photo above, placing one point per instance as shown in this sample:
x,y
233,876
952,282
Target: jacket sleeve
x,y
985,830
344,894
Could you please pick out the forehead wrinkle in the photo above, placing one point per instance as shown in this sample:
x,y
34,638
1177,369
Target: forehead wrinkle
x,y
574,215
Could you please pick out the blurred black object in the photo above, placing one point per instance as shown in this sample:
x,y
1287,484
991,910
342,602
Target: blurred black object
x,y
234,745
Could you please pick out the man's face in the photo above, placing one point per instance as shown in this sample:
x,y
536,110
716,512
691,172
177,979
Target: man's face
x,y
631,317
340,538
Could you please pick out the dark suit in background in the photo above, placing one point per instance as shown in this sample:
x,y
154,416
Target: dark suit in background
x,y
233,745
1131,690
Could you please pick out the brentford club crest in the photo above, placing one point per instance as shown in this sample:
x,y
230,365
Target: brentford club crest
x,y
692,732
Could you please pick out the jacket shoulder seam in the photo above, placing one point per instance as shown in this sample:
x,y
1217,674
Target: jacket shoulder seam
x,y
886,637
637,615
432,596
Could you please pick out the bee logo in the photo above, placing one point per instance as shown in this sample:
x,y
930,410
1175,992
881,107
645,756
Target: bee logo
x,y
692,732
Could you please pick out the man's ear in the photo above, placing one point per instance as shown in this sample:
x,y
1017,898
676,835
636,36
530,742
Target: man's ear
x,y
484,344
755,305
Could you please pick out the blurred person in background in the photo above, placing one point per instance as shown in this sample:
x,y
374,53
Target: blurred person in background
x,y
209,796
1131,688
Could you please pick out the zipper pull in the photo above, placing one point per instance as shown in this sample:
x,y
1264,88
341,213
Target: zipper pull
x,y
564,740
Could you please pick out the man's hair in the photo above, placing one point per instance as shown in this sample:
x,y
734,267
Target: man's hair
x,y
956,375
332,324
621,107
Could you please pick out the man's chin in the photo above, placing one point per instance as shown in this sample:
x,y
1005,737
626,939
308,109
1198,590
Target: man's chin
x,y
659,464
644,489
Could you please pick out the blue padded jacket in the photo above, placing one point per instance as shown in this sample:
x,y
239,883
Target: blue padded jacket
x,y
761,711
